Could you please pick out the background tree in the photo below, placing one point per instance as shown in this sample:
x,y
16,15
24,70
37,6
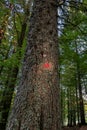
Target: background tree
x,y
13,54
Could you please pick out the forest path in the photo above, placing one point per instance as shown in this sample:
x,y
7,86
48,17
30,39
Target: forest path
x,y
75,128
83,128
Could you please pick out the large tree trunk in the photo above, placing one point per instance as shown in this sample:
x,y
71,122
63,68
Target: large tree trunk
x,y
36,105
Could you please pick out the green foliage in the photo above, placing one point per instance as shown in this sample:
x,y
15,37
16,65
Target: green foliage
x,y
73,52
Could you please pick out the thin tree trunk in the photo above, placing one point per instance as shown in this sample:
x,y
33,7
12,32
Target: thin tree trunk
x,y
62,108
68,107
81,104
70,110
82,114
77,102
36,105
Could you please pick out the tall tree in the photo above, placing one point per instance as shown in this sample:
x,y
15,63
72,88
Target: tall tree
x,y
12,77
36,105
9,84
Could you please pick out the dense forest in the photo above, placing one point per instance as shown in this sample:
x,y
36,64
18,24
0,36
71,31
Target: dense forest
x,y
43,64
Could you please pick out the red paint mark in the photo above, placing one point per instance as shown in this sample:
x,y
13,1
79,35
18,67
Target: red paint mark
x,y
47,65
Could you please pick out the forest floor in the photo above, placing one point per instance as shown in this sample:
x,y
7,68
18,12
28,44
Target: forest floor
x,y
75,128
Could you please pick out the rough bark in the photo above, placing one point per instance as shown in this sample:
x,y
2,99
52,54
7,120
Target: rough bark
x,y
36,105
